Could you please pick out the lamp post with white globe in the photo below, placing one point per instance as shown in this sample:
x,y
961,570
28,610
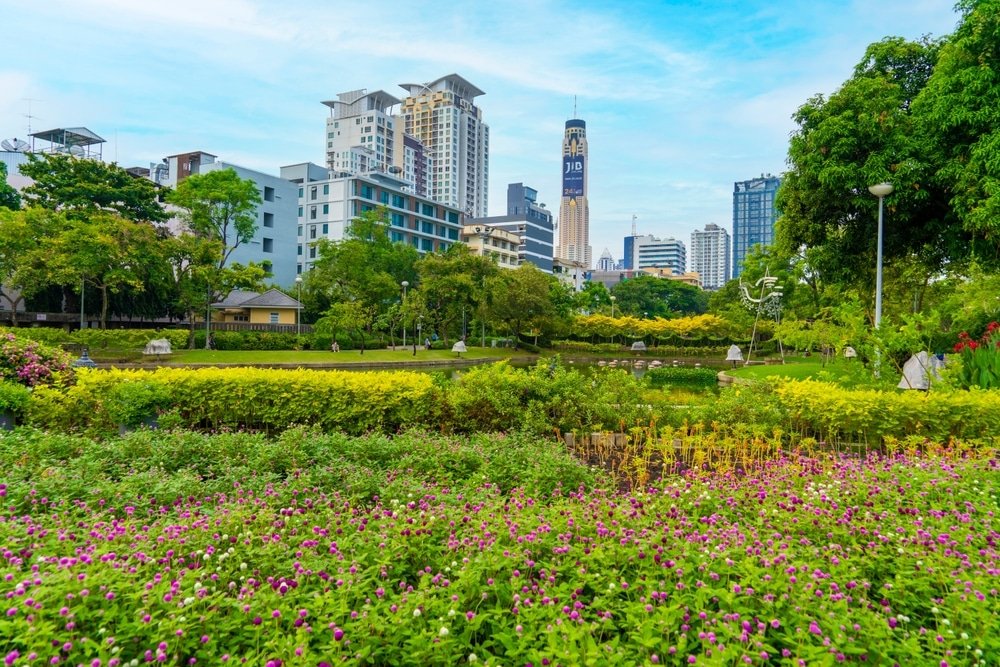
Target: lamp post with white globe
x,y
880,190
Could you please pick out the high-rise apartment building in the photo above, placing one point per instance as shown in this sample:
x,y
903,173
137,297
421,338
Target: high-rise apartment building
x,y
754,215
442,116
647,251
606,262
362,136
574,211
531,221
710,255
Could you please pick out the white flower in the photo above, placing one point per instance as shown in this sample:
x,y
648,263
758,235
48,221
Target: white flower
x,y
472,657
416,612
443,631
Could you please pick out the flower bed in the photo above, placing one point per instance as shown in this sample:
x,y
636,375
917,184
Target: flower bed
x,y
805,561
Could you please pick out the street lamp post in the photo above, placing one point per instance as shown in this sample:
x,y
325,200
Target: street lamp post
x,y
612,306
405,284
298,308
484,234
880,190
420,324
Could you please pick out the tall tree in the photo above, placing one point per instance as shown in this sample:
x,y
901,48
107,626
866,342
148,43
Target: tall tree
x,y
9,197
522,298
103,250
80,187
219,205
959,110
21,232
365,267
453,283
866,133
657,297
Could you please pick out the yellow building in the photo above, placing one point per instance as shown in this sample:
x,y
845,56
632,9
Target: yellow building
x,y
493,242
271,307
689,277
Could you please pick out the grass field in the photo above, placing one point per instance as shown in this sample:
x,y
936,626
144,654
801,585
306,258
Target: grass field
x,y
311,357
847,373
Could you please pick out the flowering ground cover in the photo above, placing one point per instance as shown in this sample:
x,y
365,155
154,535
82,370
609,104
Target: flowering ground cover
x,y
176,549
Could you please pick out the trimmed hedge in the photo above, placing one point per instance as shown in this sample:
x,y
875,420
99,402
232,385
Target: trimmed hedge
x,y
832,413
251,398
658,377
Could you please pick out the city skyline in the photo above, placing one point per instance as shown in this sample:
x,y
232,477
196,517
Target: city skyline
x,y
680,101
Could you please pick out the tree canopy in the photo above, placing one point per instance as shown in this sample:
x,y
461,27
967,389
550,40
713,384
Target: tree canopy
x,y
80,187
9,197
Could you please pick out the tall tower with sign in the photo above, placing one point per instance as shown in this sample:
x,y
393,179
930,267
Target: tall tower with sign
x,y
574,211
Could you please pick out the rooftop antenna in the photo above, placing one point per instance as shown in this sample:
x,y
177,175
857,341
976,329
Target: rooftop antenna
x,y
28,115
633,225
574,106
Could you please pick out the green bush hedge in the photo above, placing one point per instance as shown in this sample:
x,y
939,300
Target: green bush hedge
x,y
659,377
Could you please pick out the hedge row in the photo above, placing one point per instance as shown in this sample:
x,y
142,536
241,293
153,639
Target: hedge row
x,y
829,412
544,399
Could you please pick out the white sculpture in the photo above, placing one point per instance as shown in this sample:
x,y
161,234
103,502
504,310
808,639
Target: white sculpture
x,y
157,346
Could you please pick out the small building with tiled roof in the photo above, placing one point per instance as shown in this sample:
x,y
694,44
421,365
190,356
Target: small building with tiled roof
x,y
270,307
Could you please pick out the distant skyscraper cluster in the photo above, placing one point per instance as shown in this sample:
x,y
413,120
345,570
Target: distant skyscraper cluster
x,y
424,157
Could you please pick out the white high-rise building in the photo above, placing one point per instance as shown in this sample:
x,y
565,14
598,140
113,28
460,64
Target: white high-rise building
x,y
441,114
710,256
363,137
574,211
647,251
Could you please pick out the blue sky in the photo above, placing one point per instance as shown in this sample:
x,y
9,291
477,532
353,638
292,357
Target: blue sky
x,y
681,99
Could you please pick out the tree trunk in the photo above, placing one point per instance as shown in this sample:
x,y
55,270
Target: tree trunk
x,y
13,307
191,316
104,306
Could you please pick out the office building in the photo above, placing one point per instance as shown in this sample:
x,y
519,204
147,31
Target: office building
x,y
531,221
273,244
443,117
328,202
754,215
710,256
647,251
574,211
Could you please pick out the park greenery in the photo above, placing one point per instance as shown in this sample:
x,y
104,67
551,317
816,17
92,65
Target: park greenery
x,y
810,514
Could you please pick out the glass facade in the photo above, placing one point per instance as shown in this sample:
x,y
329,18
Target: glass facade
x,y
754,215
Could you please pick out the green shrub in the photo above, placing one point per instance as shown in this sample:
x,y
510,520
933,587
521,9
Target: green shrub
x,y
658,377
14,397
133,403
31,363
250,398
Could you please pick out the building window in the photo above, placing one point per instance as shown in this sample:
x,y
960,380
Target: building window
x,y
268,245
383,197
274,318
299,251
269,219
326,229
241,318
268,193
300,193
312,252
398,201
312,192
312,212
427,244
427,227
367,192
326,209
312,231
428,210
326,188
300,211
267,266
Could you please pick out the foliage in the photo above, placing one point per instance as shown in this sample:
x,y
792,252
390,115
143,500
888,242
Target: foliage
x,y
219,206
252,398
81,187
832,413
697,327
14,397
546,398
132,403
980,359
260,550
9,197
20,234
522,299
658,377
650,296
32,363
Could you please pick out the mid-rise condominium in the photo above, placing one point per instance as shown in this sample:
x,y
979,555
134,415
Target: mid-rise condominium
x,y
647,251
754,215
441,114
710,256
531,221
574,211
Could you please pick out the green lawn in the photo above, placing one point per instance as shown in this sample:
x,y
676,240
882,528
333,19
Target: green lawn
x,y
848,373
310,357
